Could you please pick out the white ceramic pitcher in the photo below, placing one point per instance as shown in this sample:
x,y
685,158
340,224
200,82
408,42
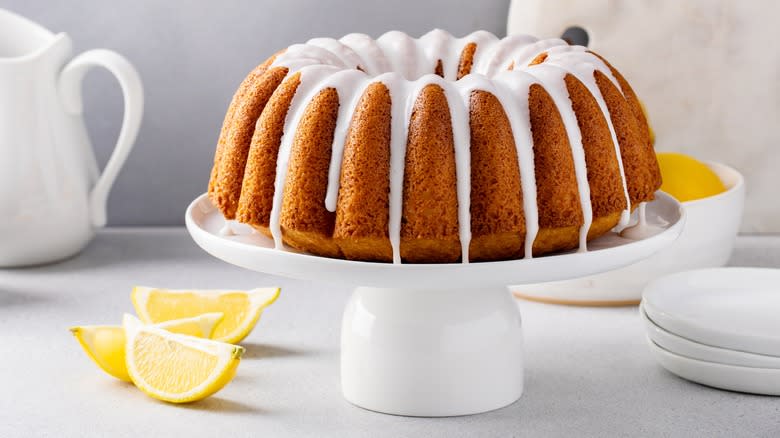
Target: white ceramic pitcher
x,y
52,196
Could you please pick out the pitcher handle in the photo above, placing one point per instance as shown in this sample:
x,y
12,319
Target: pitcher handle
x,y
70,82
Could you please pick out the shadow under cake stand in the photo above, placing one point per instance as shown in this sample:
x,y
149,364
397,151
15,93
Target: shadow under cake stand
x,y
430,339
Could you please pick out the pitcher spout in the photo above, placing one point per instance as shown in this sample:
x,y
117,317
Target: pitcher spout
x,y
23,40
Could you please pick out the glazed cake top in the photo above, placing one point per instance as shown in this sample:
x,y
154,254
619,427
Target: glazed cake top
x,y
506,68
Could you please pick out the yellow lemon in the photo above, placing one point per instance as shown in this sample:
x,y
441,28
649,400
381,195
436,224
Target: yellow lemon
x,y
105,344
177,368
686,178
242,309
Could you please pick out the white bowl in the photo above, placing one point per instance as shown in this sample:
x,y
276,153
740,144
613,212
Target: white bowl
x,y
695,350
707,241
764,381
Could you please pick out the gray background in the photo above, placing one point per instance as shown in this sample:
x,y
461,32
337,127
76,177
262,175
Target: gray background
x,y
192,55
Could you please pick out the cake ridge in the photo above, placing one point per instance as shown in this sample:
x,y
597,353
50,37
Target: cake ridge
x,y
313,79
405,66
520,85
584,72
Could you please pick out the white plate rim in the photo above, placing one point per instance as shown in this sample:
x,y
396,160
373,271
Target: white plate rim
x,y
695,350
759,381
704,333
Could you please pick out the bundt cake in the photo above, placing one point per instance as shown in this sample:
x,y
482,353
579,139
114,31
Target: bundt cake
x,y
433,150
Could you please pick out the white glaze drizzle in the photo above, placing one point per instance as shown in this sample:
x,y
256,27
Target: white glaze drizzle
x,y
506,53
399,126
405,66
227,230
346,55
405,58
508,87
485,42
373,60
584,72
642,229
298,56
552,78
312,80
458,99
350,85
515,86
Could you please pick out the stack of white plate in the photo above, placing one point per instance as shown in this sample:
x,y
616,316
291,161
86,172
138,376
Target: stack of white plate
x,y
718,327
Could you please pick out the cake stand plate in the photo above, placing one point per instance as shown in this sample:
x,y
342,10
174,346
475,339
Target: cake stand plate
x,y
429,339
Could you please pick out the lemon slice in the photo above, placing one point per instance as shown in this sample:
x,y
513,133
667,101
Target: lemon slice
x,y
177,368
686,178
105,344
242,309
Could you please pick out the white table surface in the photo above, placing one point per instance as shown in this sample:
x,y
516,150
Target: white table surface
x,y
588,371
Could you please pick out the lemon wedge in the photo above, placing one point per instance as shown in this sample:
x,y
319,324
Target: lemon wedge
x,y
686,178
242,309
177,368
200,326
105,344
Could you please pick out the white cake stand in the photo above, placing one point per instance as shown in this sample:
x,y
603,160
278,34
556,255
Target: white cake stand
x,y
429,340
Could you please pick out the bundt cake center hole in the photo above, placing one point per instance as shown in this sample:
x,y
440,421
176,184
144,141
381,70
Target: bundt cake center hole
x,y
576,36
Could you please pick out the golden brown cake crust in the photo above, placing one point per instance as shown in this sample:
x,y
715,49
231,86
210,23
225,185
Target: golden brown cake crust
x,y
497,219
362,213
306,223
235,141
466,59
556,182
257,192
604,178
242,181
429,223
638,165
652,172
439,70
234,103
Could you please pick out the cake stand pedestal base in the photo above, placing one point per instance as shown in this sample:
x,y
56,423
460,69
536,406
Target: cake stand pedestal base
x,y
431,353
